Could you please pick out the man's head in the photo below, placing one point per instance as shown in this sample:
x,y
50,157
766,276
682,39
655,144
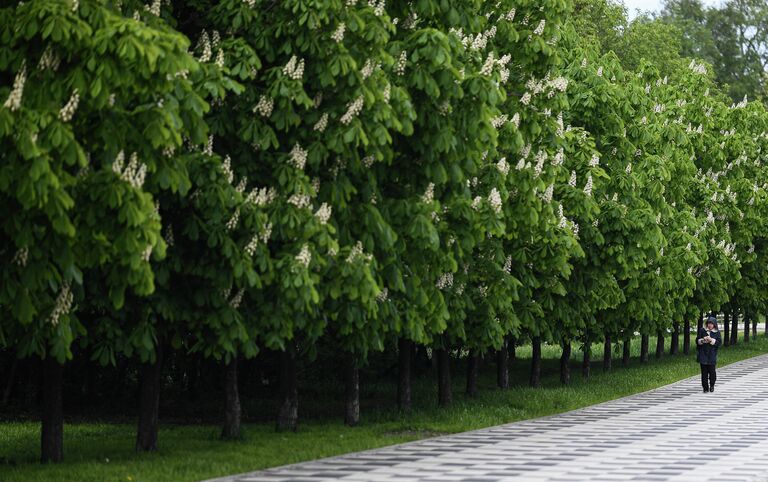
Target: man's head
x,y
711,323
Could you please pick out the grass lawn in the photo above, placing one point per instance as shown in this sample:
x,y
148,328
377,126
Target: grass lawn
x,y
104,452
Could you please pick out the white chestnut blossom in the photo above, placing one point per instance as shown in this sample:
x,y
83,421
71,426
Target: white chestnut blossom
x,y
383,295
48,60
226,166
338,34
205,43
237,299
68,111
494,199
232,223
588,186
499,121
429,193
445,281
353,110
401,63
559,158
541,158
368,69
563,223
321,124
305,256
323,213
154,8
299,200
294,69
503,166
482,291
134,173
357,253
572,179
559,83
488,65
594,161
146,253
265,106
240,188
14,98
63,304
298,157
20,257
508,264
547,196
378,7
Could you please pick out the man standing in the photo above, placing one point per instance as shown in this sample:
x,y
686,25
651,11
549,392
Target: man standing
x,y
708,340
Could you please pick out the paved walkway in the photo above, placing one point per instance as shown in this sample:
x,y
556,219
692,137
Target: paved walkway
x,y
674,433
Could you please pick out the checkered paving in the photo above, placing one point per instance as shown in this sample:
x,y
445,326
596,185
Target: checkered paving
x,y
674,433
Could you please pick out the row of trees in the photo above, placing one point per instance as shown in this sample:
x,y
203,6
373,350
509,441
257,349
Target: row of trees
x,y
361,174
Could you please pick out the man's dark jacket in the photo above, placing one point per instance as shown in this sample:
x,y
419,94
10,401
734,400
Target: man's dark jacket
x,y
706,354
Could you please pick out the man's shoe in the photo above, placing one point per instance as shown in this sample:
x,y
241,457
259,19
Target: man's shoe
x,y
706,390
711,389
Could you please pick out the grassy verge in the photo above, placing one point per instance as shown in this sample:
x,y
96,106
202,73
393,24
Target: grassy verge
x,y
103,452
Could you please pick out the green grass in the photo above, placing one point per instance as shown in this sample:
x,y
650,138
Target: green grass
x,y
104,452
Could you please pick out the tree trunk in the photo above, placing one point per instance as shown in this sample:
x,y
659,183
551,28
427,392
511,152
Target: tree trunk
x,y
52,431
644,342
404,353
149,403
659,343
512,345
352,406
700,323
746,328
674,344
565,359
31,387
686,336
625,352
502,369
231,428
193,369
754,328
536,362
735,328
11,380
726,329
444,396
607,353
586,361
473,364
766,323
288,416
